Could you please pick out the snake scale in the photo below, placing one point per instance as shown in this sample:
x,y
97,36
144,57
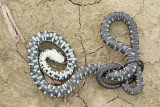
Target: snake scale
x,y
114,72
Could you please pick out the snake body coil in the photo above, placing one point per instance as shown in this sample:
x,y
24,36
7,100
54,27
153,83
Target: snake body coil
x,y
134,66
37,61
35,67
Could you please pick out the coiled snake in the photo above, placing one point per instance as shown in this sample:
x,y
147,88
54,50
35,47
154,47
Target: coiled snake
x,y
114,72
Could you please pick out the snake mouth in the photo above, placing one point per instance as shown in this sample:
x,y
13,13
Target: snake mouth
x,y
65,60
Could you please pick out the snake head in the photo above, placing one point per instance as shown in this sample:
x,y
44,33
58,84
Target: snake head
x,y
55,56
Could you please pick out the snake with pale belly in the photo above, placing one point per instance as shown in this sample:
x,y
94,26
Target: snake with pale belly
x,y
114,72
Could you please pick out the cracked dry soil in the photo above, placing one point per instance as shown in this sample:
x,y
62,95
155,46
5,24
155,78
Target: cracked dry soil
x,y
78,22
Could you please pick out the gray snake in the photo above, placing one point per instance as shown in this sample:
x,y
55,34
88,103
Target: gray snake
x,y
134,67
37,62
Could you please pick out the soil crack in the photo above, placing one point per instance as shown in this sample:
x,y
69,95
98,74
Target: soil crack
x,y
96,50
78,4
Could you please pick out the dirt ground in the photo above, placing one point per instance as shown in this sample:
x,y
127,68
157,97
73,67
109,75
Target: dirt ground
x,y
78,22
